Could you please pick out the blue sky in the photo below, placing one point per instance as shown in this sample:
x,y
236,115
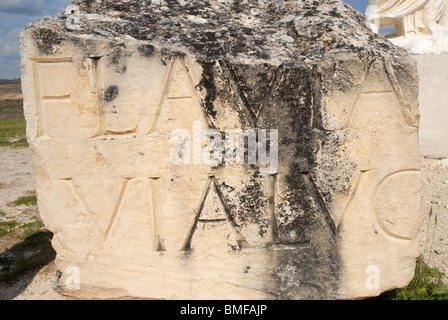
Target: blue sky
x,y
359,5
15,14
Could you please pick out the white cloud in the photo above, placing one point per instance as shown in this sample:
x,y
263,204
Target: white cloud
x,y
14,15
32,7
9,44
13,21
9,54
9,69
23,6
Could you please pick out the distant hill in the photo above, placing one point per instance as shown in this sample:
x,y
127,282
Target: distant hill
x,y
10,89
9,81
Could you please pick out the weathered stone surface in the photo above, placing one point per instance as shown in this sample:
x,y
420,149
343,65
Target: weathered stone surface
x,y
433,104
107,83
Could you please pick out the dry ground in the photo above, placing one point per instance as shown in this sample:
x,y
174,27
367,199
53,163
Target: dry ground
x,y
10,90
434,228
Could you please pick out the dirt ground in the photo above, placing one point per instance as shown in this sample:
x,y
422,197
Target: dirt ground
x,y
11,96
434,227
17,179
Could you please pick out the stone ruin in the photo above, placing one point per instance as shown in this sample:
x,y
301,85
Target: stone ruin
x,y
116,91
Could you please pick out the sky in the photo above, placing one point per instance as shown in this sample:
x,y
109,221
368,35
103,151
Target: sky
x,y
15,14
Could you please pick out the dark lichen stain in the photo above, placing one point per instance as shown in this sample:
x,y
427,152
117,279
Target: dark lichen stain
x,y
221,29
292,104
207,84
146,50
115,58
47,39
111,93
303,217
318,266
253,206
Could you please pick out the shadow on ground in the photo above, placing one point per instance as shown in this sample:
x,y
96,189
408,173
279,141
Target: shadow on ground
x,y
20,263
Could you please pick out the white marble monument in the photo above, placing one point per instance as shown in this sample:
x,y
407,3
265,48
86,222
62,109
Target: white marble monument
x,y
421,25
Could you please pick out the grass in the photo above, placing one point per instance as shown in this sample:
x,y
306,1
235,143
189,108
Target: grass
x,y
13,133
28,201
390,36
12,124
29,255
12,121
12,128
11,109
31,250
426,285
8,228
29,229
29,245
10,86
14,229
9,81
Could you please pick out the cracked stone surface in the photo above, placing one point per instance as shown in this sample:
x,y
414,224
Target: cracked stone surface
x,y
107,83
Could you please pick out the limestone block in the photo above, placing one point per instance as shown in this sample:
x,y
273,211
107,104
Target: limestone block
x,y
223,150
433,97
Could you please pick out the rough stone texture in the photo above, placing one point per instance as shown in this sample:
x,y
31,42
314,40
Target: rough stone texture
x,y
106,83
433,104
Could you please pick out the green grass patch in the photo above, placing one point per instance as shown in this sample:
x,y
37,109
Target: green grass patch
x,y
12,124
13,128
14,229
32,249
26,201
9,81
13,133
31,228
11,109
27,256
390,36
21,143
8,228
426,285
13,87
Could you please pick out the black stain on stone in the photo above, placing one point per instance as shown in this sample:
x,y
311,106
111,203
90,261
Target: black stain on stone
x,y
115,58
146,50
207,83
311,272
111,93
253,206
172,3
47,39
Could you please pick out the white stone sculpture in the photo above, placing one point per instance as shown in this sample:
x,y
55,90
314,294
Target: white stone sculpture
x,y
421,25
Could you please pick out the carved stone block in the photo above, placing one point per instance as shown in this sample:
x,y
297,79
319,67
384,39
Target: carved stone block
x,y
312,188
